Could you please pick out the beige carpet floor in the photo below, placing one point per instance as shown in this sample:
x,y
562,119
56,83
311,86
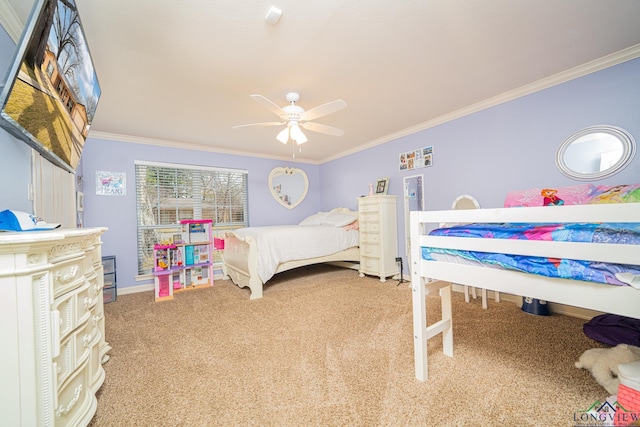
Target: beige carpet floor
x,y
325,347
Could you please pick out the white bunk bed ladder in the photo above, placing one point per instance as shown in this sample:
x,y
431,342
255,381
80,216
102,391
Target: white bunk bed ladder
x,y
420,289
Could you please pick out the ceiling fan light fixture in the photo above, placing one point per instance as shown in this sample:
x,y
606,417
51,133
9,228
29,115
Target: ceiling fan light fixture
x,y
297,135
283,135
295,117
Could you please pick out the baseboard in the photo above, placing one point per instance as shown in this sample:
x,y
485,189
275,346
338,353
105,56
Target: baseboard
x,y
136,289
566,310
151,287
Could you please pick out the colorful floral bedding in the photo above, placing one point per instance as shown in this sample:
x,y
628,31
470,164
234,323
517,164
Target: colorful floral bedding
x,y
616,274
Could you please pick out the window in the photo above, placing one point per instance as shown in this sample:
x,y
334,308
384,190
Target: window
x,y
49,69
168,193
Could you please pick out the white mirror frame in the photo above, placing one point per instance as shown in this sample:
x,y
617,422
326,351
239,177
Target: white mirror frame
x,y
465,201
628,147
280,193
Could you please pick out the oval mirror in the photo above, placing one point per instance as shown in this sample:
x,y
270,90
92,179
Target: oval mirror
x,y
465,201
288,186
595,152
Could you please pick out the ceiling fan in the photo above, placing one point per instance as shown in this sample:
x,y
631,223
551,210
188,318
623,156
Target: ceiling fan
x,y
294,117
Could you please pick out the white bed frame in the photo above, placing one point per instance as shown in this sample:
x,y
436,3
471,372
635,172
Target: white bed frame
x,y
240,260
430,276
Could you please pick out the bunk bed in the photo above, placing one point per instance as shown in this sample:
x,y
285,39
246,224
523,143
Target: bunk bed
x,y
436,274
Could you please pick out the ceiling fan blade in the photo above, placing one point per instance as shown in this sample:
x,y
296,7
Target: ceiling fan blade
x,y
270,105
261,124
318,127
324,109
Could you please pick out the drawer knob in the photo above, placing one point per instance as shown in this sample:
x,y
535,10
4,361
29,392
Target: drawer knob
x,y
66,278
87,339
96,318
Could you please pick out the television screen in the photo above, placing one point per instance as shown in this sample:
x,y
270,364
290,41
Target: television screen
x,y
51,91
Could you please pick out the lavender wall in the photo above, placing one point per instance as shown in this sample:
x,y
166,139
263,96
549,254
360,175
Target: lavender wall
x,y
118,213
511,146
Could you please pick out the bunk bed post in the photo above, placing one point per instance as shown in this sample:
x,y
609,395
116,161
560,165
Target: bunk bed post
x,y
447,314
419,294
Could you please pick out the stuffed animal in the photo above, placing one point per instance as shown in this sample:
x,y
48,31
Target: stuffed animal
x,y
603,363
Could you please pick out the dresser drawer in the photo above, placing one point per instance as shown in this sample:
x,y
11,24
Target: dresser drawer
x,y
369,207
369,238
369,265
96,371
85,301
85,337
73,398
74,349
65,362
67,276
96,284
366,216
65,306
370,250
92,260
370,227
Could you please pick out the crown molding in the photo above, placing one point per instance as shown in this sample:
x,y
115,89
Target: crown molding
x,y
107,136
616,58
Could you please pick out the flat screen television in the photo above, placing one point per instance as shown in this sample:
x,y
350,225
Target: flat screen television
x,y
51,90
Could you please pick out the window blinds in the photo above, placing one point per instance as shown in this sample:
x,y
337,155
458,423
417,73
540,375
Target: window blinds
x,y
168,193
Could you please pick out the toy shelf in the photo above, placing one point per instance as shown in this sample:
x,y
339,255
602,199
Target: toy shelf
x,y
184,260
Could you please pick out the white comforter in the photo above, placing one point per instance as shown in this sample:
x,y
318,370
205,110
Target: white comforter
x,y
282,243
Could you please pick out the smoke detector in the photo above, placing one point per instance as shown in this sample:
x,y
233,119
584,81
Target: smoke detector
x,y
273,15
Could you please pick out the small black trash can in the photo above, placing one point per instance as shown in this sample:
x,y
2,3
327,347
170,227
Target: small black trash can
x,y
535,306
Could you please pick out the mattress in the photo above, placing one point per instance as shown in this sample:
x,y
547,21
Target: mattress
x,y
591,271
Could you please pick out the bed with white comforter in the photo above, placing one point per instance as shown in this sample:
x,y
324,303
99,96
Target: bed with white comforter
x,y
254,255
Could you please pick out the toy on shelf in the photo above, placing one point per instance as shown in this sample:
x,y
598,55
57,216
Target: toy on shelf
x,y
184,258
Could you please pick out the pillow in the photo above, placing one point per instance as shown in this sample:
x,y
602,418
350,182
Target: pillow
x,y
355,225
315,219
338,219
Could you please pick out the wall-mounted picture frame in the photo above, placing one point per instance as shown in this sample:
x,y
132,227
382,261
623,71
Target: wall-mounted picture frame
x,y
111,183
416,159
382,186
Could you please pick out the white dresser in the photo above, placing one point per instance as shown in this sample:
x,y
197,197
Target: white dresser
x,y
51,327
378,236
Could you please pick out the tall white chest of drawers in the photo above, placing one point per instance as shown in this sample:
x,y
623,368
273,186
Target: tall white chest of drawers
x,y
378,236
51,327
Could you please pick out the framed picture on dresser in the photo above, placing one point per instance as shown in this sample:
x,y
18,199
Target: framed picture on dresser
x,y
382,186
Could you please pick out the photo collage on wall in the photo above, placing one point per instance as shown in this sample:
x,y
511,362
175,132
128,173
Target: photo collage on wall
x,y
416,159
